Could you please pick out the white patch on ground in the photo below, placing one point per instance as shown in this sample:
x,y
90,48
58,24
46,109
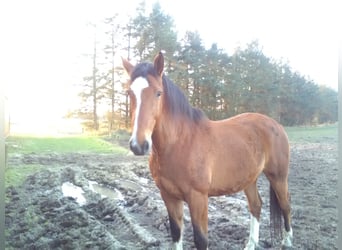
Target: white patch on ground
x,y
114,194
70,190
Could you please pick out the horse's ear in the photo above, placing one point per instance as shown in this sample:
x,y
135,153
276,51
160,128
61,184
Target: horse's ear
x,y
127,65
159,63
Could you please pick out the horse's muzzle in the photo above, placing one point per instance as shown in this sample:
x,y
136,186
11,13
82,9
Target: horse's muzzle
x,y
138,149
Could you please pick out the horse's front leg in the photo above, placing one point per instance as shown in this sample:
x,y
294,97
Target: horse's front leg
x,y
198,206
175,210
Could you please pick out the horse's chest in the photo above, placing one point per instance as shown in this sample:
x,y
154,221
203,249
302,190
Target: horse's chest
x,y
172,188
169,178
169,183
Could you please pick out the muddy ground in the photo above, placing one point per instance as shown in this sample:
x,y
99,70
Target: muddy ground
x,y
132,216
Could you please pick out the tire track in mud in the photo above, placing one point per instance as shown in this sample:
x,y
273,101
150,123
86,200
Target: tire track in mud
x,y
121,225
99,224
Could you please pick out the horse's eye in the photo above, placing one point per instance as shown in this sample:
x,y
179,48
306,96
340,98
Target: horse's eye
x,y
158,93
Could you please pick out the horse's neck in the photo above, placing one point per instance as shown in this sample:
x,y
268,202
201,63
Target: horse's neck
x,y
169,131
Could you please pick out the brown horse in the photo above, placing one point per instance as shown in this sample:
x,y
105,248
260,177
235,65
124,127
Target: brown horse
x,y
193,157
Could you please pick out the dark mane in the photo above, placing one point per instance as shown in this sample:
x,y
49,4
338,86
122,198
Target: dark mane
x,y
176,101
142,70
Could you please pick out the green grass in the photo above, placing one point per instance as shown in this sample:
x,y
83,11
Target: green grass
x,y
80,144
322,133
15,176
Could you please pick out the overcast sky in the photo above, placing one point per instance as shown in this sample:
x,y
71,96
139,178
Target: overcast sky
x,y
42,40
302,32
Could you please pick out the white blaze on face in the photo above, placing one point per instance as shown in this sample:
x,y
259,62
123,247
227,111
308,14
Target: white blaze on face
x,y
137,86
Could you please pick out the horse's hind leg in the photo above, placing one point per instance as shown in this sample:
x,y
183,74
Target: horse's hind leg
x,y
175,211
254,203
280,188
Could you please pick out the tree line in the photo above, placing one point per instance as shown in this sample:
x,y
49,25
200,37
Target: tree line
x,y
222,85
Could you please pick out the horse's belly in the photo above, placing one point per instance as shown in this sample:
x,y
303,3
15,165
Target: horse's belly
x,y
226,188
223,184
232,177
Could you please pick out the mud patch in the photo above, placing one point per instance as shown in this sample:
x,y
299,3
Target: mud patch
x,y
39,216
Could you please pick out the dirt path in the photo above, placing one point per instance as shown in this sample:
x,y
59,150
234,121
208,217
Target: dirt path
x,y
38,216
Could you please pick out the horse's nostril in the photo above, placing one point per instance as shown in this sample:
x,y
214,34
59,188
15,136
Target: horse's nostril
x,y
145,147
132,146
138,149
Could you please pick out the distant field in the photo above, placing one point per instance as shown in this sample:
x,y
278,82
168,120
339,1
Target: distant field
x,y
22,145
94,144
16,173
320,133
72,144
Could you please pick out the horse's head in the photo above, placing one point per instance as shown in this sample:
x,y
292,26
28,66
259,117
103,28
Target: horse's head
x,y
145,90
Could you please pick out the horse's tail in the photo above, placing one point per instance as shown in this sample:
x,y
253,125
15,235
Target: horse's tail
x,y
275,216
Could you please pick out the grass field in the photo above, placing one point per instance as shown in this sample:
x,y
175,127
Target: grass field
x,y
21,145
326,133
15,175
77,144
